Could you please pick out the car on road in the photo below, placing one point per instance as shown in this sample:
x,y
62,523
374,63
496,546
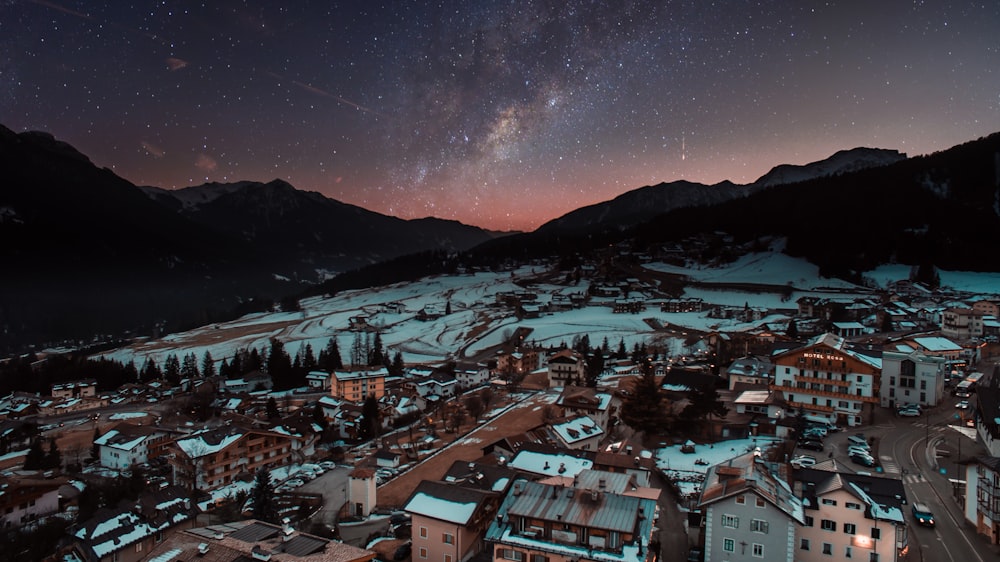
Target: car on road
x,y
812,445
923,514
963,405
908,413
803,461
858,440
863,460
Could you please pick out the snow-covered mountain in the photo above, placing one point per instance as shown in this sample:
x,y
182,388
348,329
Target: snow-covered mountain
x,y
842,162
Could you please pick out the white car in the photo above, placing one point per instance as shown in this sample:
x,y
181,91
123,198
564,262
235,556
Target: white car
x,y
803,461
856,450
908,413
328,465
294,483
963,405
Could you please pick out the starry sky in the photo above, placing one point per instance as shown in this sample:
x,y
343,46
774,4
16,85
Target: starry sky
x,y
500,114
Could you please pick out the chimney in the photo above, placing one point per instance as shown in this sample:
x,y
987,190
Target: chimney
x,y
203,548
602,483
562,467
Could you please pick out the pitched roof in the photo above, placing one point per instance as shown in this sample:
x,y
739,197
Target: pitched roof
x,y
446,502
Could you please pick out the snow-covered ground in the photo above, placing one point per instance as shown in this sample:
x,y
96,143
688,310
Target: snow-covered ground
x,y
688,470
476,324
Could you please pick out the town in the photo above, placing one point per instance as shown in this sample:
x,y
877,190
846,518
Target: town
x,y
825,427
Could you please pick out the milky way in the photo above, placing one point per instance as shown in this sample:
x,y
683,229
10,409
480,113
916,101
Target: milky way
x,y
498,114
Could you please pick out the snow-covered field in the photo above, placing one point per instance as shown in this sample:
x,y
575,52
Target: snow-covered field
x,y
476,323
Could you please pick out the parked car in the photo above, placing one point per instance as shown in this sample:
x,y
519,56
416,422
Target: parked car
x,y
858,440
863,460
812,445
328,465
923,514
803,461
855,450
695,555
908,413
963,405
294,483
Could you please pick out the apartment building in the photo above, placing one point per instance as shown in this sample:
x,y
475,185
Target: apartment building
x,y
212,458
356,386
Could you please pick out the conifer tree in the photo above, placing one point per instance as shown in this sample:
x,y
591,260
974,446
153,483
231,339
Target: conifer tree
x,y
207,365
264,506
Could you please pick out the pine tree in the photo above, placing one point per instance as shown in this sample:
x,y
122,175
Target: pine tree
x,y
262,496
95,449
397,367
279,366
370,422
645,409
793,329
207,365
189,369
53,459
376,358
172,369
35,459
332,356
308,359
272,408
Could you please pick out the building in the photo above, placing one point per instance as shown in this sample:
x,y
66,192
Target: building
x,y
749,512
356,386
319,380
936,346
361,492
559,523
827,379
586,401
25,499
449,521
252,540
76,389
850,516
130,531
912,378
579,432
962,323
750,370
982,496
127,445
566,367
212,458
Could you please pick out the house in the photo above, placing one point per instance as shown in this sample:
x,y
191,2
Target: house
x,y
982,496
566,367
439,384
848,329
750,370
130,531
559,523
127,445
749,512
24,499
761,402
586,401
935,346
243,541
519,361
449,520
361,492
76,389
209,459
388,459
962,323
850,516
472,378
579,432
318,380
827,378
987,421
356,386
912,378
250,382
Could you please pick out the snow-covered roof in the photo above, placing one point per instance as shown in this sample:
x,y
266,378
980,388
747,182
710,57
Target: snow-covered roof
x,y
196,445
937,343
549,464
577,429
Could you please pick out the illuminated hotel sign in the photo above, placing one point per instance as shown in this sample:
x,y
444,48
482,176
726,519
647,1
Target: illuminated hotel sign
x,y
823,356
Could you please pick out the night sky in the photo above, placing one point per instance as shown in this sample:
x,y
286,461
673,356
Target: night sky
x,y
498,114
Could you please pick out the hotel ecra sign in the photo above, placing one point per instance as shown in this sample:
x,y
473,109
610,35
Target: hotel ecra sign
x,y
822,356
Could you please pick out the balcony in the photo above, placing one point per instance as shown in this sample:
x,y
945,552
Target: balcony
x,y
789,389
816,380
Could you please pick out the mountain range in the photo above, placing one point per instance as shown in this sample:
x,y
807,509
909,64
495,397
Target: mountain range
x,y
90,253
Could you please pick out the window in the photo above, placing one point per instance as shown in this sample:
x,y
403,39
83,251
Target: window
x,y
828,525
539,558
804,545
423,552
423,532
758,550
447,558
827,548
847,552
873,557
448,538
809,521
850,528
510,554
731,521
758,526
853,505
729,545
761,502
829,502
741,500
876,533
